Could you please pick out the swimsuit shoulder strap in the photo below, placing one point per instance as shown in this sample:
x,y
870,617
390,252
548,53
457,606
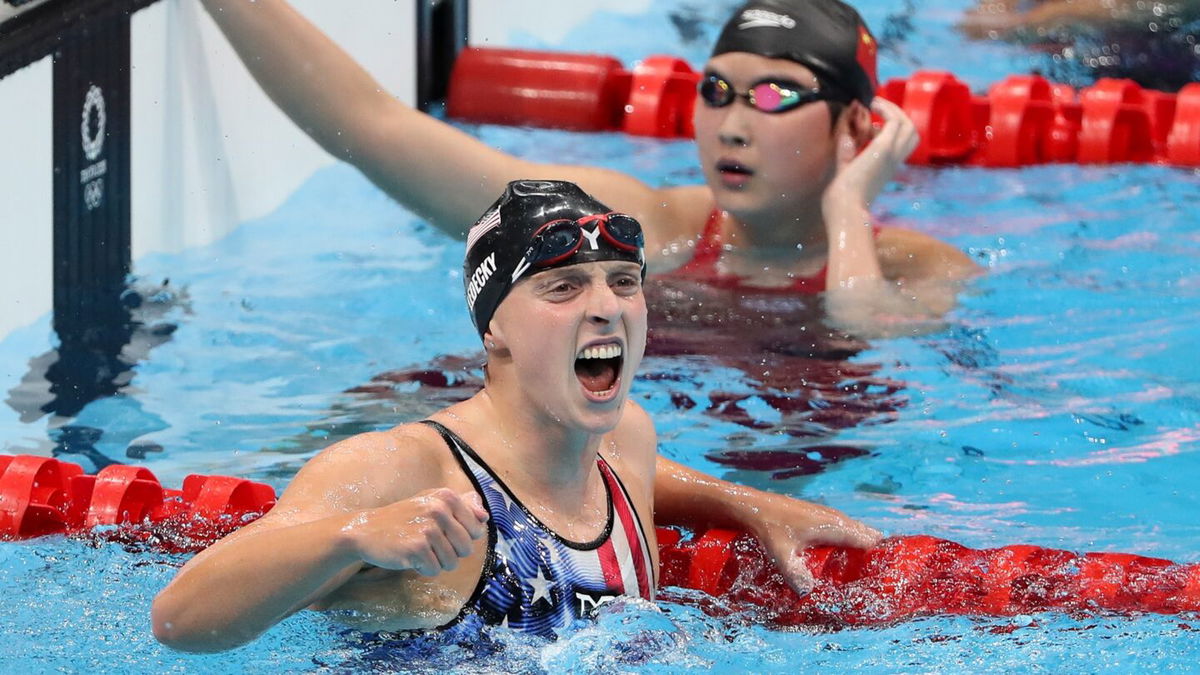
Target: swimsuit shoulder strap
x,y
631,527
477,469
708,249
480,475
709,245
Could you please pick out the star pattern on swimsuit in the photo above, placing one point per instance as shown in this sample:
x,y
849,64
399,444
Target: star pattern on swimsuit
x,y
504,549
508,505
541,587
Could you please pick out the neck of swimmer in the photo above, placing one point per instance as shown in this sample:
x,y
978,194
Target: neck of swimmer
x,y
772,237
542,452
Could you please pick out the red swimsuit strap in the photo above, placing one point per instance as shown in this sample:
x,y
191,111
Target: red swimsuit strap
x,y
708,249
703,264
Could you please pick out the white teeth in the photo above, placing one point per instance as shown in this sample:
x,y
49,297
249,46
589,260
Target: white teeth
x,y
601,352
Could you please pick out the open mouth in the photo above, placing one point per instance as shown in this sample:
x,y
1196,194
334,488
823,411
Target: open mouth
x,y
728,167
598,368
734,175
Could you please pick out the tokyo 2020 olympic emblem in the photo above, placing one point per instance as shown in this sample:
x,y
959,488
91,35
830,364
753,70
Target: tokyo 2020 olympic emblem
x,y
93,194
93,104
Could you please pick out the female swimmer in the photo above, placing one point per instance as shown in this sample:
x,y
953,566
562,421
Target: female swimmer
x,y
528,504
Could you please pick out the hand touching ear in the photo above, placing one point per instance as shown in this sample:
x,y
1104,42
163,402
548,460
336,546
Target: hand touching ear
x,y
861,175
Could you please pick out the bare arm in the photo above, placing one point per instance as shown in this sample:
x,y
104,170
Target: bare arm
x,y
899,282
231,593
999,18
430,167
331,521
785,526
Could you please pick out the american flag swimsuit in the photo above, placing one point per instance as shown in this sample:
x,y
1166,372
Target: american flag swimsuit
x,y
536,581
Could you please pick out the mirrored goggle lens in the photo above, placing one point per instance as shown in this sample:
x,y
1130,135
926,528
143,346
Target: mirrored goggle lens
x,y
624,232
716,92
775,97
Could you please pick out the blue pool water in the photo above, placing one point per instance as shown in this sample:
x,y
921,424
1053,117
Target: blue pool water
x,y
1060,406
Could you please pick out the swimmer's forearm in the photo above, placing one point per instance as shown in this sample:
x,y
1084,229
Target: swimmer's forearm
x,y
304,72
430,167
234,591
853,260
689,498
782,524
861,300
1049,15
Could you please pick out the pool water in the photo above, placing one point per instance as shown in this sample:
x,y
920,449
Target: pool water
x,y
1059,406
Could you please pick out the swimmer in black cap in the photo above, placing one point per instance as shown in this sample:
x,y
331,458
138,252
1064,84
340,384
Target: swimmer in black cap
x,y
790,158
826,36
527,505
536,225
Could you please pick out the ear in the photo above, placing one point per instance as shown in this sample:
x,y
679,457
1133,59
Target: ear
x,y
855,121
493,339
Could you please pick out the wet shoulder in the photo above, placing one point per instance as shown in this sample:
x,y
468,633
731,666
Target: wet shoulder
x,y
912,255
678,214
378,468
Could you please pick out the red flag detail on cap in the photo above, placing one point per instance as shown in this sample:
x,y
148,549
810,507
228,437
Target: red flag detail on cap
x,y
866,55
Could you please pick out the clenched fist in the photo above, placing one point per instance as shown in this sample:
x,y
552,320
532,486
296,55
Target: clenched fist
x,y
429,532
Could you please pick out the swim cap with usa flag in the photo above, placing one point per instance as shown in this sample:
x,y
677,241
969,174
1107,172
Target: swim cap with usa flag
x,y
538,225
828,37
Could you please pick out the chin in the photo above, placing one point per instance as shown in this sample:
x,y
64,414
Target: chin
x,y
738,203
600,422
728,197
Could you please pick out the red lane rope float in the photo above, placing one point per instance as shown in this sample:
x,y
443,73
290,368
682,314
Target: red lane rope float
x,y
566,91
1020,121
904,577
41,496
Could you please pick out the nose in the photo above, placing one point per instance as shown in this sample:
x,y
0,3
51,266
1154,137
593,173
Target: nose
x,y
603,306
734,129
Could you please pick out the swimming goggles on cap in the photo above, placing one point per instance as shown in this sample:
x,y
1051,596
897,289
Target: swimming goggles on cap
x,y
769,96
558,240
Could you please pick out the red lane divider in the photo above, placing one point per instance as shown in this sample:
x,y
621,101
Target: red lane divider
x,y
902,578
1021,121
662,95
41,496
905,577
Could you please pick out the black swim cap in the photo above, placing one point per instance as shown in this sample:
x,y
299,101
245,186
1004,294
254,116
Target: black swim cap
x,y
826,36
501,240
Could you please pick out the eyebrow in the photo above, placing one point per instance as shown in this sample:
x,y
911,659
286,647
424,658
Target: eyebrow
x,y
553,276
626,268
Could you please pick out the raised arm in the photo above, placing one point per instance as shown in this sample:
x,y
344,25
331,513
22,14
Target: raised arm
x,y
1000,18
897,281
437,171
332,520
785,526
